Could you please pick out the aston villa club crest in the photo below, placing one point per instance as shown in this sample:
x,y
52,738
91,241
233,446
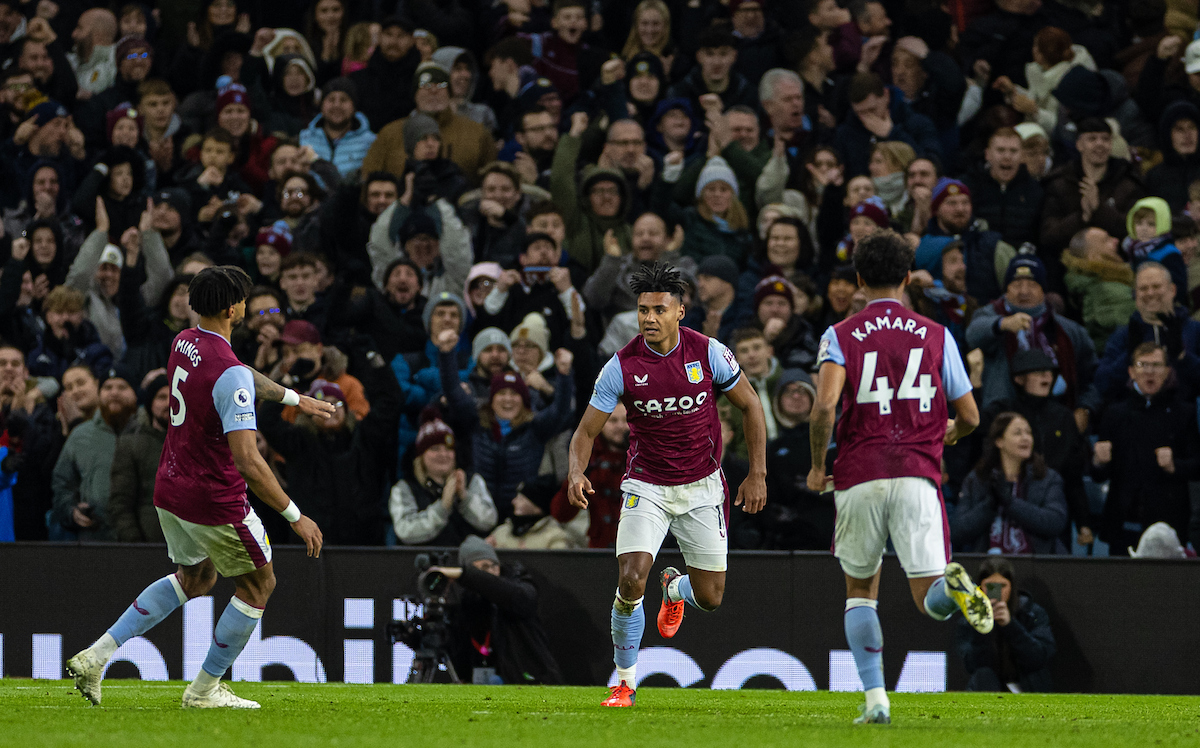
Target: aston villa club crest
x,y
630,501
695,374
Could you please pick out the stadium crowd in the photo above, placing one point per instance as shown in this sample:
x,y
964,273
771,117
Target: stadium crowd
x,y
441,202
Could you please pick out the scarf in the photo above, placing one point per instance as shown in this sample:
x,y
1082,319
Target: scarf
x,y
1139,251
1046,335
1006,537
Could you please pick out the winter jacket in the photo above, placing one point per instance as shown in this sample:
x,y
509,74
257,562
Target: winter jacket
x,y
986,255
1062,216
545,533
449,273
1013,209
1179,333
1017,653
83,473
585,230
701,237
506,461
1103,291
607,289
854,141
350,150
131,499
420,518
1040,85
1101,94
1171,178
1004,39
342,479
385,89
1040,509
692,87
1140,492
464,141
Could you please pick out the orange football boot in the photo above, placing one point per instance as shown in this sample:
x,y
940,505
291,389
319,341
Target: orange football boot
x,y
670,615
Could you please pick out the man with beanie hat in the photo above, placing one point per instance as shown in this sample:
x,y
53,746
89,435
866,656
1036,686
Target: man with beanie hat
x,y
340,134
492,353
794,518
467,143
531,525
420,127
135,466
496,635
716,308
791,335
1021,320
1093,189
49,138
986,254
417,373
83,472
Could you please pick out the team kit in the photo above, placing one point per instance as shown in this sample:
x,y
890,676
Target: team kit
x,y
887,379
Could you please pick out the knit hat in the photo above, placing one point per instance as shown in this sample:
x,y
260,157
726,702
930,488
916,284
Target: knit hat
x,y
1031,360
326,391
487,337
112,255
788,376
507,380
531,93
534,329
874,209
48,110
475,548
944,188
735,5
433,432
120,371
428,73
1083,92
719,266
845,273
299,331
234,93
147,394
417,127
418,223
123,110
177,198
343,84
1158,541
645,63
131,44
716,170
1025,266
774,285
442,299
276,235
1093,124
540,491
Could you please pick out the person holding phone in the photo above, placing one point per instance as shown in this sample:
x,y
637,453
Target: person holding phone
x,y
1016,654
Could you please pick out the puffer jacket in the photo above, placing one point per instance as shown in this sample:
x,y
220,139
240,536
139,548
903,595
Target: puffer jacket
x,y
1014,209
1062,216
1102,291
349,152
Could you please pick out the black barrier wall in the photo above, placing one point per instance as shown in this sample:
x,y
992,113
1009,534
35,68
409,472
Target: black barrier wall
x,y
1122,626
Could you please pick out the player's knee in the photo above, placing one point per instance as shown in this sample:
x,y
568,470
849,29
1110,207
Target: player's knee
x,y
197,583
632,585
709,600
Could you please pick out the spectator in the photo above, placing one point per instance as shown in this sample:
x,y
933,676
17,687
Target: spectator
x,y
82,475
946,301
212,184
1035,149
135,466
1002,40
464,79
716,55
824,98
986,255
65,337
1100,283
783,325
337,467
1021,319
150,330
298,280
1102,93
562,55
787,251
1156,319
889,162
877,115
1094,189
1003,193
92,55
340,134
606,471
466,142
162,128
597,205
1150,240
1147,449
1054,55
346,220
1016,654
440,504
504,63
782,95
253,342
495,219
717,224
541,285
1011,503
717,309
796,518
48,136
303,359
932,84
507,438
492,353
1178,136
384,82
300,201
839,293
119,179
762,369
760,39
293,103
607,289
530,524
46,199
134,59
536,136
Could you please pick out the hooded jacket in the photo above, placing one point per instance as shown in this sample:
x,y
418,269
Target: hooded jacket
x,y
289,114
585,230
469,108
1160,249
1170,179
1103,291
1062,215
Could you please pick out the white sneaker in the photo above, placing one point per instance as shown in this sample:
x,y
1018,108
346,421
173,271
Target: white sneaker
x,y
88,670
221,697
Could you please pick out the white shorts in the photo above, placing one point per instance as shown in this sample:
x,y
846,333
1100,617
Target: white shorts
x,y
235,549
907,509
694,513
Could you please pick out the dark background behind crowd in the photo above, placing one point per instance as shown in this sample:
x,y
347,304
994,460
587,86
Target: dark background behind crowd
x,y
441,204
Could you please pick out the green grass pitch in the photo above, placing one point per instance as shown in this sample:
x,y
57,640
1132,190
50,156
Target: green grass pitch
x,y
136,714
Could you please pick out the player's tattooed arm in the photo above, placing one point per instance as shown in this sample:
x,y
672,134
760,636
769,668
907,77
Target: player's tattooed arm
x,y
266,388
830,382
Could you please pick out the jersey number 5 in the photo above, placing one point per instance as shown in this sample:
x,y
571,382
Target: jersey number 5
x,y
909,388
181,375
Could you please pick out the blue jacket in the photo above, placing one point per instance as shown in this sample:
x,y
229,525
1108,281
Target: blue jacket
x,y
854,141
348,152
7,481
1180,334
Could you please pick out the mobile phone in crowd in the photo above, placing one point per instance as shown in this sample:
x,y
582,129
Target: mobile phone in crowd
x,y
994,590
535,274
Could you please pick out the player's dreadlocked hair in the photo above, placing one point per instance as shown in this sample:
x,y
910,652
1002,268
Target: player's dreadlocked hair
x,y
215,289
883,259
657,277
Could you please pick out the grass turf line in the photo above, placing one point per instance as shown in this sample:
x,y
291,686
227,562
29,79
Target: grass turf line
x,y
50,713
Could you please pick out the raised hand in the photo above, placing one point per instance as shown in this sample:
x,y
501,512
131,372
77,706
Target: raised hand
x,y
102,223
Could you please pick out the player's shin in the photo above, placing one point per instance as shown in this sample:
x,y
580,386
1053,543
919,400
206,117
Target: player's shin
x,y
229,638
865,637
154,604
938,604
628,623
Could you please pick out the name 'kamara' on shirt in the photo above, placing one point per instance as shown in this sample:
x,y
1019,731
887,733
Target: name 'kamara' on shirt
x,y
889,323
